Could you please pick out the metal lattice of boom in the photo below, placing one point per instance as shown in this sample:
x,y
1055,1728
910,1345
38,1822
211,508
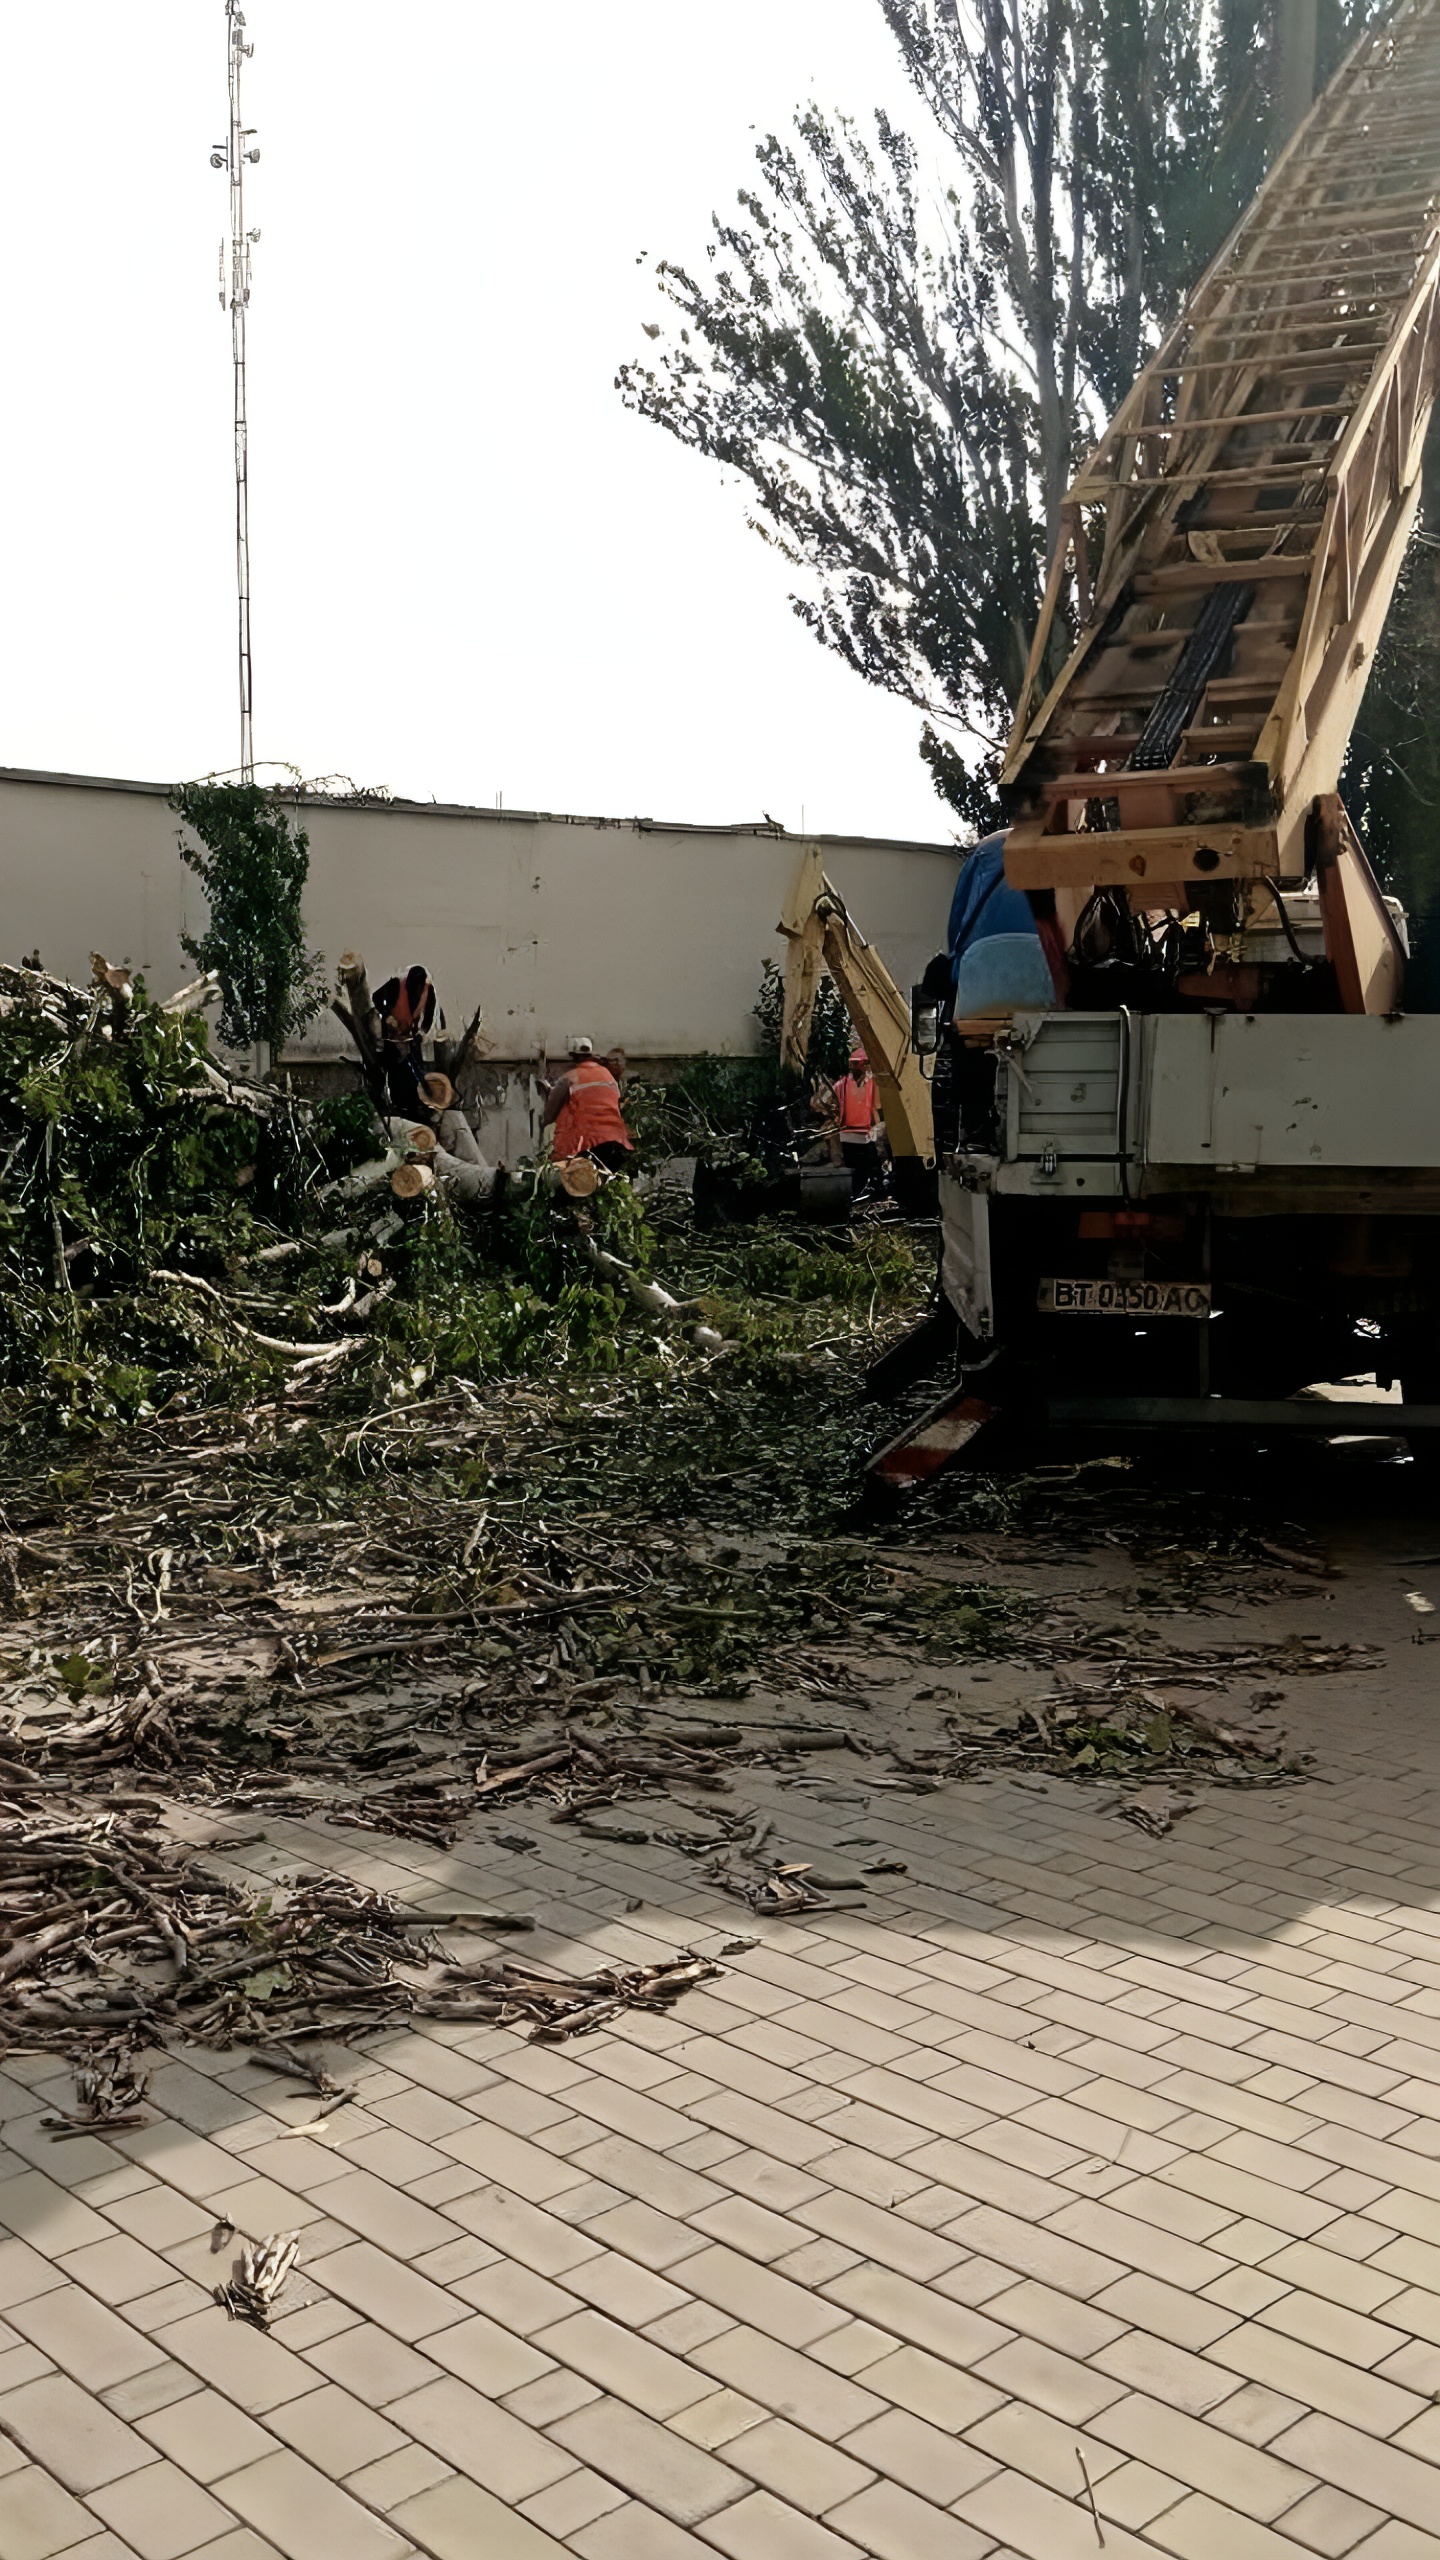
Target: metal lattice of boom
x,y
1249,508
231,155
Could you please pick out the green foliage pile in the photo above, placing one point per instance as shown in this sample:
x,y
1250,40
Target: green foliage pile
x,y
120,1154
124,1159
110,1162
252,865
114,1146
594,1409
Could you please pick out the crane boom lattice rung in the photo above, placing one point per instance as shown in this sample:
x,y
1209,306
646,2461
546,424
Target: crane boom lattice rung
x,y
1245,515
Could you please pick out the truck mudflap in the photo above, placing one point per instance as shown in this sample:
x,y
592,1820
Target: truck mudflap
x,y
955,1422
919,1354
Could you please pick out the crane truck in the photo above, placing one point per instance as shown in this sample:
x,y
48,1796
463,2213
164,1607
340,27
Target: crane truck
x,y
1207,1176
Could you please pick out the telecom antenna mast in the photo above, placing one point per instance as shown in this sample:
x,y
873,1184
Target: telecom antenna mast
x,y
231,155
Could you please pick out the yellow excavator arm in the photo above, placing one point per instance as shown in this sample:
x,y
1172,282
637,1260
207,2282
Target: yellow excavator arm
x,y
821,934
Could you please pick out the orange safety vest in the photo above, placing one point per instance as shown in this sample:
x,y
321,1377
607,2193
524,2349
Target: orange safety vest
x,y
859,1106
589,1116
403,1013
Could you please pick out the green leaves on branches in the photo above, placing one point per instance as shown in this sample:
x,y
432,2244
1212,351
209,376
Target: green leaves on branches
x,y
252,863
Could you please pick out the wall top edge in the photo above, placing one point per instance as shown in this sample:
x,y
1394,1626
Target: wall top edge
x,y
499,817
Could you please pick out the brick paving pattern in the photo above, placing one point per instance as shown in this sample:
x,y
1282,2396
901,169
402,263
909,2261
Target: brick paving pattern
x,y
1074,2153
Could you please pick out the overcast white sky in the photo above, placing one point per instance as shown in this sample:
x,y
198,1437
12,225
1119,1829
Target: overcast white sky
x,y
474,571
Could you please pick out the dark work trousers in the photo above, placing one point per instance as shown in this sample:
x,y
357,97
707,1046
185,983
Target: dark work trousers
x,y
402,1077
864,1160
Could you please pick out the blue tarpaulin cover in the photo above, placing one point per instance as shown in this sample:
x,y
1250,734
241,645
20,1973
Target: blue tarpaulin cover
x,y
996,953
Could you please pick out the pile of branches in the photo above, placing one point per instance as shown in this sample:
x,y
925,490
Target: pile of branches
x,y
196,1610
571,1775
116,1938
171,1231
118,1131
1130,1733
131,1165
556,2006
112,1930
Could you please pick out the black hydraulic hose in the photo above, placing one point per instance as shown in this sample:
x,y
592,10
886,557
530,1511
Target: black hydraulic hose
x,y
1286,926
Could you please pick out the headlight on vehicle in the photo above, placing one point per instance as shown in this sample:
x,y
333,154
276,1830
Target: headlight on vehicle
x,y
926,1019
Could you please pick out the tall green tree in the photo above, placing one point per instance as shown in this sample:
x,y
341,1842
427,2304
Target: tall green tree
x,y
252,864
905,374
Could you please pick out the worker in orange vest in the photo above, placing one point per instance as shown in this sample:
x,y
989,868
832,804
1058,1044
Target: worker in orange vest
x,y
583,1109
409,1011
859,1123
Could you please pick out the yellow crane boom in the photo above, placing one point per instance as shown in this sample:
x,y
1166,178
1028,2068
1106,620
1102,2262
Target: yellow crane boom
x,y
1229,551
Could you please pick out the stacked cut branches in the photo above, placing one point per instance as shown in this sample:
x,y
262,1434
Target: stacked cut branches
x,y
115,1931
118,1938
556,2006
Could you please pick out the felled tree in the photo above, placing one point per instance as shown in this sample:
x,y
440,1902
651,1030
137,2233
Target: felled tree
x,y
906,377
252,864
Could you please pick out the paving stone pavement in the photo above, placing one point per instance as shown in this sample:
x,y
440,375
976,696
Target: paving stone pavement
x,y
1077,2164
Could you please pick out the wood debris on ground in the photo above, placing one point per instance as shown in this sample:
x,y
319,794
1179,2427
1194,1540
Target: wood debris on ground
x,y
393,1513
137,1941
259,2277
149,1945
110,2097
556,2005
1156,1819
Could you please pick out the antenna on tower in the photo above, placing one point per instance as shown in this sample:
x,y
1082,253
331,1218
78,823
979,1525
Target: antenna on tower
x,y
231,155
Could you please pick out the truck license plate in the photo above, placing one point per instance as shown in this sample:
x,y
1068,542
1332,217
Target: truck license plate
x,y
1125,1297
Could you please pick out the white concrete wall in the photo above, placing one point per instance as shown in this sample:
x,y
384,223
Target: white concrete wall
x,y
649,936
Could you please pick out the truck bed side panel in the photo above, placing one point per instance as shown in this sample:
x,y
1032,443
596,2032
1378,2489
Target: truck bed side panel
x,y
1293,1090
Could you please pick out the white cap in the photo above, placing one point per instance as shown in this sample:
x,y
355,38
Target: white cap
x,y
580,1047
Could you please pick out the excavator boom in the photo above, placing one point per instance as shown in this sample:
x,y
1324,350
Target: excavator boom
x,y
1229,551
819,933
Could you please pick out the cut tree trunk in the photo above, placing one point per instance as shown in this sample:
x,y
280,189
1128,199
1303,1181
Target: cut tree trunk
x,y
364,1020
462,1179
468,1176
194,997
363,1177
458,1138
